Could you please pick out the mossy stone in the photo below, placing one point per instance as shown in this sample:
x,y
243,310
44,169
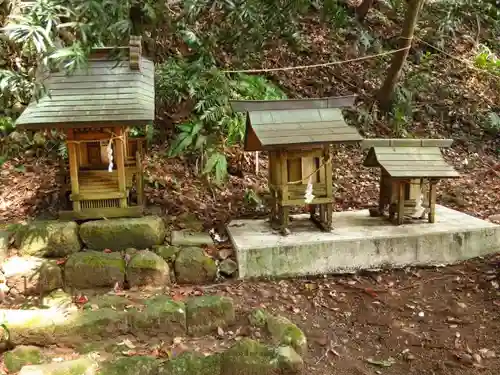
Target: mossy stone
x,y
50,276
193,266
92,325
207,313
190,363
22,356
32,275
137,365
108,301
31,327
80,366
4,244
258,318
58,299
88,269
167,252
290,361
249,357
287,333
228,267
160,315
120,234
147,268
48,239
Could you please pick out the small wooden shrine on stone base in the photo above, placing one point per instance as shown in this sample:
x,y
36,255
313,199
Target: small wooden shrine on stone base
x,y
95,107
298,135
410,171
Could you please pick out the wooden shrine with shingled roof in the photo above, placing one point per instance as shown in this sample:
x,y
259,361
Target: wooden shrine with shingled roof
x,y
95,107
297,135
410,171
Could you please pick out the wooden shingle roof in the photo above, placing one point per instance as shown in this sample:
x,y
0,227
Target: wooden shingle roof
x,y
409,158
106,92
279,123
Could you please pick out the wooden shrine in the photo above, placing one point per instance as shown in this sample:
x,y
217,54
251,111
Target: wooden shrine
x,y
297,135
95,107
410,171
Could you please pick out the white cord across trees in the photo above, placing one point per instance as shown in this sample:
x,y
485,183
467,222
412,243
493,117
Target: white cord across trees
x,y
318,65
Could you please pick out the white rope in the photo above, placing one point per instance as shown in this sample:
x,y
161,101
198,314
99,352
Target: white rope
x,y
309,197
317,65
109,150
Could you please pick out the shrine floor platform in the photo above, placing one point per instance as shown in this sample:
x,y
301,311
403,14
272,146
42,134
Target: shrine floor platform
x,y
358,242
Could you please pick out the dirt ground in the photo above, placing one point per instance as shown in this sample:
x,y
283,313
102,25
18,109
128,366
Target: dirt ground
x,y
412,321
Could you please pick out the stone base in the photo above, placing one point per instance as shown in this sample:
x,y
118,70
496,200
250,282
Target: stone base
x,y
357,242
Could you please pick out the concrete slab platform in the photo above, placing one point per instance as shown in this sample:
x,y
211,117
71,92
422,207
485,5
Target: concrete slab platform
x,y
357,242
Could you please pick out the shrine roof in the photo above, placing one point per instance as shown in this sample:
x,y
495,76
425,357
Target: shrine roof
x,y
409,158
277,124
108,91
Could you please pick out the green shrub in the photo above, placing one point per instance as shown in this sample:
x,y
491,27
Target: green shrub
x,y
212,124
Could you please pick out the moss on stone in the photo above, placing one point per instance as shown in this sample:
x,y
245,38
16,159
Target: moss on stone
x,y
147,268
249,357
289,360
57,299
138,365
131,251
80,366
204,314
191,363
48,238
88,347
161,315
287,333
88,269
22,356
92,325
193,266
119,234
108,300
31,327
167,252
258,318
50,276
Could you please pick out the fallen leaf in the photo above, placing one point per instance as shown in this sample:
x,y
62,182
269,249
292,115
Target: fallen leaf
x,y
107,251
81,300
61,261
129,353
464,358
220,331
371,292
487,353
177,340
117,287
383,363
127,343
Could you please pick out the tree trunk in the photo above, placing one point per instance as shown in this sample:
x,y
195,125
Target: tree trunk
x,y
386,92
363,8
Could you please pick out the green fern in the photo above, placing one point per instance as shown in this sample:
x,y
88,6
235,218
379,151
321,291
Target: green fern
x,y
212,121
216,164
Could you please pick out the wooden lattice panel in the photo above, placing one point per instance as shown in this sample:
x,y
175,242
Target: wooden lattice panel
x,y
100,203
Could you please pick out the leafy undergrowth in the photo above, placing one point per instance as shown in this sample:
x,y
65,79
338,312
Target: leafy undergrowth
x,y
176,188
442,94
